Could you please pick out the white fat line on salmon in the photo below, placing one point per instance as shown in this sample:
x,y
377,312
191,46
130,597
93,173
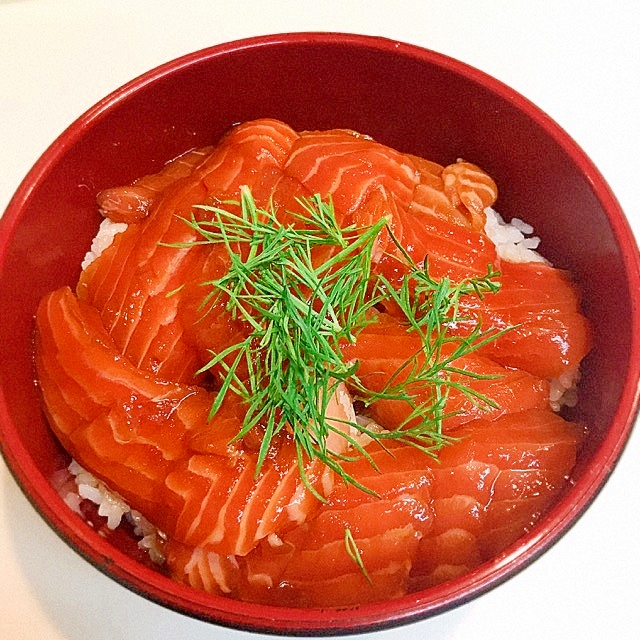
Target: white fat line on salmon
x,y
208,563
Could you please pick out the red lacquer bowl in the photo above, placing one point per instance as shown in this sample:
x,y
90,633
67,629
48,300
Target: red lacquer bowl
x,y
409,98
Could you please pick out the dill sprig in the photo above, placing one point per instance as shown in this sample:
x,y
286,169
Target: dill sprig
x,y
305,287
355,554
430,307
298,313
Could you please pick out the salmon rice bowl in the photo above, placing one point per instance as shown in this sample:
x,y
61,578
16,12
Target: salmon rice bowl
x,y
306,369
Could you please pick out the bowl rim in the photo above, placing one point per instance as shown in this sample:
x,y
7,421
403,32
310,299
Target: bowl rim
x,y
268,619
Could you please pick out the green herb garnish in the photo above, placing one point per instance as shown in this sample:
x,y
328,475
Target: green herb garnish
x,y
303,289
355,554
429,307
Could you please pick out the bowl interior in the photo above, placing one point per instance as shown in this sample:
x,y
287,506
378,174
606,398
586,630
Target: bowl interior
x,y
411,99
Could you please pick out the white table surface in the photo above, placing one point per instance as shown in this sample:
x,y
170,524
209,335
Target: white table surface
x,y
578,60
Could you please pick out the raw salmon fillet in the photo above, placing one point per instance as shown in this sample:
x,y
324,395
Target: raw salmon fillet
x,y
491,486
119,364
549,335
384,351
131,282
151,440
310,566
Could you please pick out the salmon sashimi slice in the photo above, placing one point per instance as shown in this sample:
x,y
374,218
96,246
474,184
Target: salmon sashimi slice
x,y
362,176
152,443
269,574
492,486
329,577
201,569
458,193
132,203
386,353
443,225
311,566
252,154
449,250
131,282
468,186
102,409
550,336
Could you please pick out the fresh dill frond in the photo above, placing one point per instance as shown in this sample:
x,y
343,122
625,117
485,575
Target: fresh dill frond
x,y
355,554
298,308
429,307
304,288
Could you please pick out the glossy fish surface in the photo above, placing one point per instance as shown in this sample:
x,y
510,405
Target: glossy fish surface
x,y
122,364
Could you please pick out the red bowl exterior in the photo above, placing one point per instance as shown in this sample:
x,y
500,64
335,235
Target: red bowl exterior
x,y
409,98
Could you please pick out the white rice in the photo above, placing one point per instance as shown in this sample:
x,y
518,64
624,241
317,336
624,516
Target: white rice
x,y
112,507
510,238
103,239
563,390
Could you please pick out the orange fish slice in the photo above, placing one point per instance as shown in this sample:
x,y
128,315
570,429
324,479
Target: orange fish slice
x,y
384,351
151,440
314,565
491,487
